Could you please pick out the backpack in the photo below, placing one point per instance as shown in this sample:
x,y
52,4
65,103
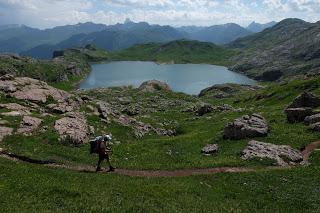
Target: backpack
x,y
94,144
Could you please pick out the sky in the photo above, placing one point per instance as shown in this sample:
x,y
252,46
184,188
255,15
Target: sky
x,y
50,13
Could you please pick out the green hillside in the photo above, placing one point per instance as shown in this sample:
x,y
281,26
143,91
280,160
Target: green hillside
x,y
180,51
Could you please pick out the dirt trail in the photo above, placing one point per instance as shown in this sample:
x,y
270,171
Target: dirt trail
x,y
158,173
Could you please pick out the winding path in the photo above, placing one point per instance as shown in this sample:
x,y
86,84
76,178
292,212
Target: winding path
x,y
159,173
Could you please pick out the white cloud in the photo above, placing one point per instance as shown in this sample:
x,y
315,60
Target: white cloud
x,y
47,13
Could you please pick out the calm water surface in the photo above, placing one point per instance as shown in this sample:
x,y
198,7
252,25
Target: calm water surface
x,y
187,78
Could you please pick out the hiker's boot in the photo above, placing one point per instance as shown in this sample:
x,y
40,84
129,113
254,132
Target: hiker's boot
x,y
98,169
111,169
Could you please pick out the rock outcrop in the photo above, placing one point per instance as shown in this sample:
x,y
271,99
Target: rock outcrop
x,y
32,90
28,125
154,85
226,90
5,131
302,107
210,149
246,127
306,99
295,115
282,154
17,109
73,128
312,119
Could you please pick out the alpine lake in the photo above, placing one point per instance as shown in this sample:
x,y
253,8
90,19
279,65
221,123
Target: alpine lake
x,y
186,78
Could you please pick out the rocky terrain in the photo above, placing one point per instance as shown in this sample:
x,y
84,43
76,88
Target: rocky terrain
x,y
289,48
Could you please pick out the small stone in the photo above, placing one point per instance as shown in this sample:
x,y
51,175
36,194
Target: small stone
x,y
210,149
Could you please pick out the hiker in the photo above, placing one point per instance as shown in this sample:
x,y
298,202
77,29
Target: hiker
x,y
100,146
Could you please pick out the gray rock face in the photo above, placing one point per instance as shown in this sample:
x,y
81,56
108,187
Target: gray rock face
x,y
73,127
31,90
282,154
154,85
295,115
210,149
5,131
312,119
306,99
246,127
28,125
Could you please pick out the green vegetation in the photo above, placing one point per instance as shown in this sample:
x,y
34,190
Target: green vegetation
x,y
29,188
180,51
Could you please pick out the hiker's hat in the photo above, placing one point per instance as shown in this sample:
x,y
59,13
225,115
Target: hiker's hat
x,y
108,137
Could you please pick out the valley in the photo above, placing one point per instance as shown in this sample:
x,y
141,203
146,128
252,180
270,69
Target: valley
x,y
228,148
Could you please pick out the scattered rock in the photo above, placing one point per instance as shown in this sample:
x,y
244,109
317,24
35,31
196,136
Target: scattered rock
x,y
306,99
28,125
7,77
210,149
154,85
91,130
22,110
246,127
312,119
3,122
203,109
60,108
5,131
73,127
282,154
315,127
295,115
105,110
12,114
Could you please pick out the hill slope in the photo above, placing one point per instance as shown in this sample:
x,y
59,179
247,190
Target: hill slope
x,y
180,51
289,48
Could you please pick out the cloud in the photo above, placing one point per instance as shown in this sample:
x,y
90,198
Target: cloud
x,y
48,13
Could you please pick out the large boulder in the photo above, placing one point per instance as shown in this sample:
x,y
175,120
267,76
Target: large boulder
x,y
5,131
28,125
306,99
246,127
282,154
154,85
73,127
295,115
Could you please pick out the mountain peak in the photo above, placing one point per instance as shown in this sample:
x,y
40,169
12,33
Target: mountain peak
x,y
128,21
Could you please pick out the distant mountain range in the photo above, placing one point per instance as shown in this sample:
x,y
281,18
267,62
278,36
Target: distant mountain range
x,y
41,43
256,27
